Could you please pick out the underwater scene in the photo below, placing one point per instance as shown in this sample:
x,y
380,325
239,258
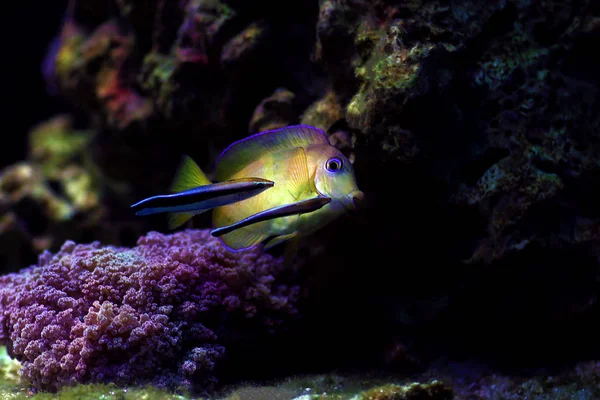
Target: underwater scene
x,y
300,200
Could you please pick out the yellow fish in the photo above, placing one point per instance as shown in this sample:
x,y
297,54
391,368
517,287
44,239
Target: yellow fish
x,y
287,183
314,184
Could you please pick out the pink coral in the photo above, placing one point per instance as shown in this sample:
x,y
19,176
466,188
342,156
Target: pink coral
x,y
162,312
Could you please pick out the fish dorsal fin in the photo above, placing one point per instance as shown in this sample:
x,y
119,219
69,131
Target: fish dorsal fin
x,y
298,172
188,175
241,153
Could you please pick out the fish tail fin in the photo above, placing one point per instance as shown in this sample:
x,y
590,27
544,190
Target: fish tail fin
x,y
188,175
176,219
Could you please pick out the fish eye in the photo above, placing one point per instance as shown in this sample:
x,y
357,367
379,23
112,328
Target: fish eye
x,y
334,164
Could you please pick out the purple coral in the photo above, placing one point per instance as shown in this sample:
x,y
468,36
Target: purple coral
x,y
160,312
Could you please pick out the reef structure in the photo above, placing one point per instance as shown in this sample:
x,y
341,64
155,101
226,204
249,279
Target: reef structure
x,y
162,312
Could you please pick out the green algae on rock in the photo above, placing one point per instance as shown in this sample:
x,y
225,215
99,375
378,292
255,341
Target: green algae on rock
x,y
276,111
324,112
434,390
30,209
338,387
9,375
95,392
57,194
488,73
260,392
42,197
54,144
59,150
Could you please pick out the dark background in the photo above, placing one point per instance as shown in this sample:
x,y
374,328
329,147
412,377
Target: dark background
x,y
27,28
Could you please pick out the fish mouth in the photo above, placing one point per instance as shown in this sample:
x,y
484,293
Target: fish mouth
x,y
355,201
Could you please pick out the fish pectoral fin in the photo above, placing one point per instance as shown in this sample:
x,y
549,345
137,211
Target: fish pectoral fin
x,y
301,207
279,239
241,239
298,172
188,175
176,219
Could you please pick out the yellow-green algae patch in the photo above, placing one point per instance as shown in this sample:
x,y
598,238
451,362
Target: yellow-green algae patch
x,y
109,392
337,387
10,389
9,376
